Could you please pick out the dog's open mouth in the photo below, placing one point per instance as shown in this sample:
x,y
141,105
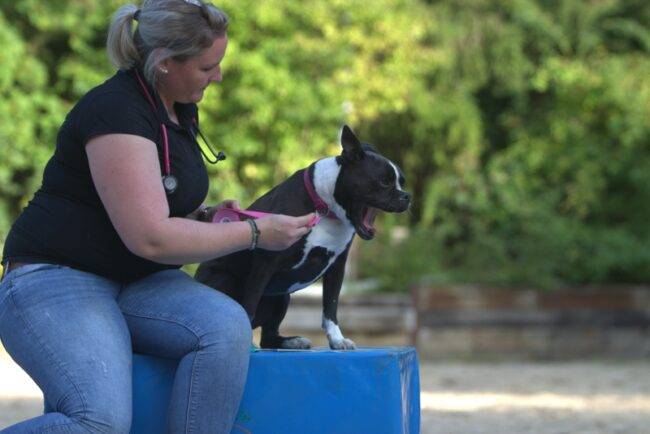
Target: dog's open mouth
x,y
366,228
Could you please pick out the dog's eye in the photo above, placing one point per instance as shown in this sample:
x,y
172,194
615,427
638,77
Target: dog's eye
x,y
385,182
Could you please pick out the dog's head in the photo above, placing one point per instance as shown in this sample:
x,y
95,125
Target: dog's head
x,y
367,183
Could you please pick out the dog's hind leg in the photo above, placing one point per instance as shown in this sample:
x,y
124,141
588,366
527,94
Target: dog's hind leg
x,y
225,283
271,311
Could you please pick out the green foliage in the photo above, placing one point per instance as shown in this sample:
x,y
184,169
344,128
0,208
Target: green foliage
x,y
531,145
522,126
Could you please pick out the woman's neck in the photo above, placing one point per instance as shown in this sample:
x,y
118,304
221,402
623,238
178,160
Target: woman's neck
x,y
169,106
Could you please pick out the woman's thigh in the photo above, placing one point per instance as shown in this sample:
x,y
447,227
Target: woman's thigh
x,y
170,315
65,329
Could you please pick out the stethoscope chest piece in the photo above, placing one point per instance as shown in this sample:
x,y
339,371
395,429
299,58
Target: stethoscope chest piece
x,y
169,183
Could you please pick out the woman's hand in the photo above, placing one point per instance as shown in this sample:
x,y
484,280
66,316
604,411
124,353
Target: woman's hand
x,y
279,232
226,204
206,213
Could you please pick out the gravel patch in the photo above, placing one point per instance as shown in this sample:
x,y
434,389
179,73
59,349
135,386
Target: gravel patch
x,y
575,397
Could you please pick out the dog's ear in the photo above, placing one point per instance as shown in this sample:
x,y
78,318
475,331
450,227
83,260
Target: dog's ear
x,y
352,149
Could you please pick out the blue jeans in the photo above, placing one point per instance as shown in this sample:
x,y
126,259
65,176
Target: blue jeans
x,y
73,332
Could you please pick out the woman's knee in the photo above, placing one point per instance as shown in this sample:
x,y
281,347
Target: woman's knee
x,y
229,326
102,415
108,422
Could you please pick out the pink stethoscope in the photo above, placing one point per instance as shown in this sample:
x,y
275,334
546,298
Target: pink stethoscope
x,y
169,181
227,214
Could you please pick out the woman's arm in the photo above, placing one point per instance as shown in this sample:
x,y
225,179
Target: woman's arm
x,y
126,174
197,213
205,213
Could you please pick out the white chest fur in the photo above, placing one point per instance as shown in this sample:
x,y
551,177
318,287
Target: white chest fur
x,y
330,234
333,235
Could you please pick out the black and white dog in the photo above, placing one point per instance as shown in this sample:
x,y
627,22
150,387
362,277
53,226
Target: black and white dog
x,y
348,191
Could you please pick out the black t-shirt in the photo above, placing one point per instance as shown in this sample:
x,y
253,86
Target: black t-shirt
x,y
66,223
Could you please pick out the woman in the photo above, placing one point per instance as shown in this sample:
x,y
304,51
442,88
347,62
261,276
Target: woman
x,y
92,263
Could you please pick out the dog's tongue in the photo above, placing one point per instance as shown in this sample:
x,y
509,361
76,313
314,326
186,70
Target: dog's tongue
x,y
369,219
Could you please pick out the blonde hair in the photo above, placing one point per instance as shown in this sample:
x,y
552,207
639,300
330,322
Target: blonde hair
x,y
177,29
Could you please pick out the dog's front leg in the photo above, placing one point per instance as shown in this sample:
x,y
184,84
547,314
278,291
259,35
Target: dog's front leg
x,y
332,282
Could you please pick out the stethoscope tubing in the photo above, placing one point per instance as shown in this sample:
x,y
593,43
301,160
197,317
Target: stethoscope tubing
x,y
163,128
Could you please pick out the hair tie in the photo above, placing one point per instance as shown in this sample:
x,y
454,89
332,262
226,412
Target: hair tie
x,y
136,15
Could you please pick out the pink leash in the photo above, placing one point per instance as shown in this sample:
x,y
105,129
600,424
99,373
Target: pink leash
x,y
322,210
228,215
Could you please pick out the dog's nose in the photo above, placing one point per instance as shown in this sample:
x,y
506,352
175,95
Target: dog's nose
x,y
405,197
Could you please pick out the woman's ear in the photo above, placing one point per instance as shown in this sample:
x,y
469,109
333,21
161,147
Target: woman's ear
x,y
163,63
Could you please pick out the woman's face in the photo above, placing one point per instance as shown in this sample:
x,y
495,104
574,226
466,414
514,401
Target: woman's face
x,y
186,81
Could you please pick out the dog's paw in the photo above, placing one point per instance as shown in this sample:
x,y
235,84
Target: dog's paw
x,y
342,344
296,343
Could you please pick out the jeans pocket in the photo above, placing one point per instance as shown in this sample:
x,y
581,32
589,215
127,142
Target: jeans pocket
x,y
27,269
8,285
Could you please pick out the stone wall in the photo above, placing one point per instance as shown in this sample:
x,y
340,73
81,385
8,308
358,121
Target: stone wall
x,y
575,322
369,320
483,322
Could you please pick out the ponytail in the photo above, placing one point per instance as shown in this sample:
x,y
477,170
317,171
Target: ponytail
x,y
120,44
178,29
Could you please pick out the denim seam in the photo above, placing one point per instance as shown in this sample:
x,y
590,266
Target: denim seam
x,y
176,321
44,346
191,407
14,274
53,426
170,320
160,316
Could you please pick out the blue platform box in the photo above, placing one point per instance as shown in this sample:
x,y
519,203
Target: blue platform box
x,y
320,391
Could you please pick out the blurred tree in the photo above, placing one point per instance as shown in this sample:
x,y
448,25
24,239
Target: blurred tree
x,y
522,125
529,140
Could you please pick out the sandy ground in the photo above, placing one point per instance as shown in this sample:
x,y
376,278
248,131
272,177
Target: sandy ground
x,y
577,397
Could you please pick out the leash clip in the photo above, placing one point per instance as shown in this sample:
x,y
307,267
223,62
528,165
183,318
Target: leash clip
x,y
322,210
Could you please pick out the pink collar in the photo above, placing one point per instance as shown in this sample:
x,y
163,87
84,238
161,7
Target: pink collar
x,y
319,204
322,210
